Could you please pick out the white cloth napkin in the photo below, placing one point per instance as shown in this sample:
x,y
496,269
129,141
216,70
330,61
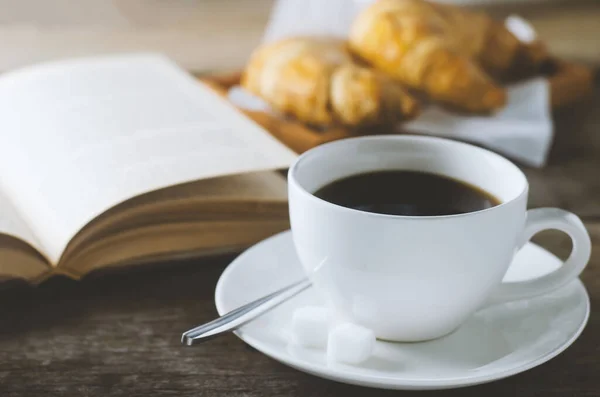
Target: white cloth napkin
x,y
522,131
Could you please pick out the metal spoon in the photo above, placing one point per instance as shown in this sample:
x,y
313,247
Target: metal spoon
x,y
243,314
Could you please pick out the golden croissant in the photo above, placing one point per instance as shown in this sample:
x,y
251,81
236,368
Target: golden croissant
x,y
442,50
315,80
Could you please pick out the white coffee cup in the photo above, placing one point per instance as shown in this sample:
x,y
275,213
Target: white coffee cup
x,y
414,278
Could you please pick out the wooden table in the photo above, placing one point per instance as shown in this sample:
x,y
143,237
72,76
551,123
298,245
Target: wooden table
x,y
34,31
119,334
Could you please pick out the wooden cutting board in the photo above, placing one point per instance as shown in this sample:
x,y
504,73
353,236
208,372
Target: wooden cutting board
x,y
569,83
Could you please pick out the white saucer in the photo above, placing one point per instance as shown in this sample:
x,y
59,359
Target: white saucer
x,y
495,343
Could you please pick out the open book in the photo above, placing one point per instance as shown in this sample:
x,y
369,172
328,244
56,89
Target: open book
x,y
120,160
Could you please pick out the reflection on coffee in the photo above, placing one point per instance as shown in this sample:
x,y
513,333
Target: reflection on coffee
x,y
409,193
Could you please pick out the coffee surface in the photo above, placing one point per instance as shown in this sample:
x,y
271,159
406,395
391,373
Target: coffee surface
x,y
409,193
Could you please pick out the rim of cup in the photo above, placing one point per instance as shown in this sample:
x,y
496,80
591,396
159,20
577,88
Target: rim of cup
x,y
292,180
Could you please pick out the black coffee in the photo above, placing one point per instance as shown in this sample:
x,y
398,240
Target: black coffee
x,y
406,193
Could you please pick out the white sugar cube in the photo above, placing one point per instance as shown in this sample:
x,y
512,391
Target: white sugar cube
x,y
350,343
310,326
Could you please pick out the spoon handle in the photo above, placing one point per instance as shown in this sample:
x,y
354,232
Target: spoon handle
x,y
243,314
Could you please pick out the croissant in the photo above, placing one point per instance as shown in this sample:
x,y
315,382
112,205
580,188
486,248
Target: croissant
x,y
489,42
442,50
316,80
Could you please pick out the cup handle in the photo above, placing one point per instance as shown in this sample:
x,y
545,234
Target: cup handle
x,y
543,219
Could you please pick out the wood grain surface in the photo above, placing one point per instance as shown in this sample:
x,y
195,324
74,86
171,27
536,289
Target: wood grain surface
x,y
185,30
118,334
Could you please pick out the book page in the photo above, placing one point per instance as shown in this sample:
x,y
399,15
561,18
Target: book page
x,y
81,136
13,225
268,186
